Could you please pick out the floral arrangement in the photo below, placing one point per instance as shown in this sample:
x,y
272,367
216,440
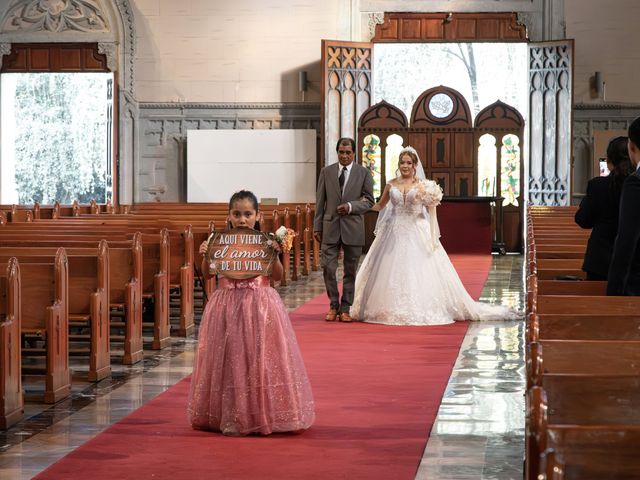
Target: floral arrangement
x,y
284,237
430,193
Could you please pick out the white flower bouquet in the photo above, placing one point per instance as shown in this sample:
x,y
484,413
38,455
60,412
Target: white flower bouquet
x,y
430,193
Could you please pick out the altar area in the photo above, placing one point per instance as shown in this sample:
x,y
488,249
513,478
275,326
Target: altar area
x,y
477,163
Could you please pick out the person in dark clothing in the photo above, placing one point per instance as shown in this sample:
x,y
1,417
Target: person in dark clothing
x,y
624,270
599,210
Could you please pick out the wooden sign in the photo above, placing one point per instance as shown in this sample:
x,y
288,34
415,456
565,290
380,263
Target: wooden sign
x,y
240,253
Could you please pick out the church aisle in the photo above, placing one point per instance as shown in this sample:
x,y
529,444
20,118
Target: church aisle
x,y
27,451
479,430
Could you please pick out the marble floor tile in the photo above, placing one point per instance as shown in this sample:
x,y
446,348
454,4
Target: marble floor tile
x,y
482,410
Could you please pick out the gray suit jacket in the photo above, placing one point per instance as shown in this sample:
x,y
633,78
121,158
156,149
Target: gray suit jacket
x,y
358,191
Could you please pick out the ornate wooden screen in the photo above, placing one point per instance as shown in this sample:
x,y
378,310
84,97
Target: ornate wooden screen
x,y
449,144
346,88
503,124
377,126
441,130
550,129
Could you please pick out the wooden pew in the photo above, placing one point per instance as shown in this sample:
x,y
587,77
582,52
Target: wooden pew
x,y
591,452
564,400
586,305
125,293
11,398
88,299
126,267
583,327
155,285
182,262
179,270
582,357
575,332
551,268
45,315
537,287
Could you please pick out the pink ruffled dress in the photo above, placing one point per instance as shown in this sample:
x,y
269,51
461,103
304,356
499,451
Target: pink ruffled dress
x,y
248,375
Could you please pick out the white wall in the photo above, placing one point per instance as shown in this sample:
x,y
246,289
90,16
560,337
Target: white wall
x,y
607,35
232,50
277,164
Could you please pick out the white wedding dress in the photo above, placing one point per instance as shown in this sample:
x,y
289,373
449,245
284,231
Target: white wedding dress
x,y
407,277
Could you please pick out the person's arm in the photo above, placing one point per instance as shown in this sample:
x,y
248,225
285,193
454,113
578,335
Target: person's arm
x,y
585,215
204,265
384,199
628,237
321,197
276,269
276,266
366,201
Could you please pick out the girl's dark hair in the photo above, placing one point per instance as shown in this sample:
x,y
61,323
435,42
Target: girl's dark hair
x,y
245,195
618,155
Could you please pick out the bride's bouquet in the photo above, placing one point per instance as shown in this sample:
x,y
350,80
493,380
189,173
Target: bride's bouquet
x,y
430,193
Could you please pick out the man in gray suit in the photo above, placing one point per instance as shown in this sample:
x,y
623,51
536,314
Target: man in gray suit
x,y
345,193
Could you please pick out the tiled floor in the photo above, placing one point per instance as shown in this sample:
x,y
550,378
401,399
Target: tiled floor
x,y
479,430
478,433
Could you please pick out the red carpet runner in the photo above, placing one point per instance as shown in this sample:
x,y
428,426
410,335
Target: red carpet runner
x,y
377,390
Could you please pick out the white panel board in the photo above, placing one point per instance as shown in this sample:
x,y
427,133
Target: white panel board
x,y
271,163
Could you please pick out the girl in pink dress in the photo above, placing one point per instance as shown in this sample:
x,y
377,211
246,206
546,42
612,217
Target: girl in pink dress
x,y
248,376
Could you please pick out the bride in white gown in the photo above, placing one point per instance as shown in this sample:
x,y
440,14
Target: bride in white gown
x,y
407,277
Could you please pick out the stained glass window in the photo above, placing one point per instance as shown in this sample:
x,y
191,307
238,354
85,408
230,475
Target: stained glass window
x,y
372,160
487,166
394,145
510,170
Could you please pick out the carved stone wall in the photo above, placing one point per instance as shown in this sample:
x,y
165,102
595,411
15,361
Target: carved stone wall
x,y
161,171
588,118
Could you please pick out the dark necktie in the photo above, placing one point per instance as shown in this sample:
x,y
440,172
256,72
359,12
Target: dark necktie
x,y
341,178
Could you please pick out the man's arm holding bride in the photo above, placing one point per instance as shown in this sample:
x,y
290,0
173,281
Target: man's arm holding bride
x,y
364,203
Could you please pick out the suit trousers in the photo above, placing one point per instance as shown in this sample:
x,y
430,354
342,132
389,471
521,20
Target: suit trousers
x,y
329,262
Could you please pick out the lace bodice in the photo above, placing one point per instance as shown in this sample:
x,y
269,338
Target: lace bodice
x,y
407,203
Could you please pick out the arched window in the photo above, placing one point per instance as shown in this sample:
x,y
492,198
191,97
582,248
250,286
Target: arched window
x,y
487,166
394,145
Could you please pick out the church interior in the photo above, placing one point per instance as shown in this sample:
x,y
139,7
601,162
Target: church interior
x,y
126,126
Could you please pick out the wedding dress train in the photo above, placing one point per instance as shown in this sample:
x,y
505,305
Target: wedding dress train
x,y
407,277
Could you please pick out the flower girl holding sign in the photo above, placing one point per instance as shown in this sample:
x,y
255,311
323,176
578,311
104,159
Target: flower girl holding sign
x,y
248,376
407,277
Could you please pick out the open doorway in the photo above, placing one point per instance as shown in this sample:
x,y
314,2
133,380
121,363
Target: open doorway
x,y
56,137
482,72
